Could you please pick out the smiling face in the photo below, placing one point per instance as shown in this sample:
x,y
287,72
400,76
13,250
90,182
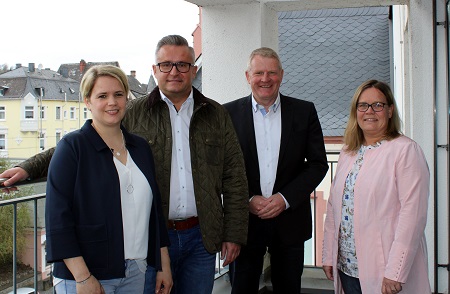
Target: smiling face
x,y
174,84
373,124
107,102
264,76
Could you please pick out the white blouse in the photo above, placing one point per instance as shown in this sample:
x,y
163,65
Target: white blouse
x,y
136,200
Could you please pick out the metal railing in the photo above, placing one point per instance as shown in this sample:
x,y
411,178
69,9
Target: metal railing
x,y
220,270
14,203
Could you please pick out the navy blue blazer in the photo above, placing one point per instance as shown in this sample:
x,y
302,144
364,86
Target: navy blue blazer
x,y
83,212
302,164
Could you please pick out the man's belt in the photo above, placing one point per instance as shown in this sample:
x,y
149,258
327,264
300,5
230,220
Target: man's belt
x,y
182,224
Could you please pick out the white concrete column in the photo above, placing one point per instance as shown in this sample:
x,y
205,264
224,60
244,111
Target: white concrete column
x,y
234,31
419,109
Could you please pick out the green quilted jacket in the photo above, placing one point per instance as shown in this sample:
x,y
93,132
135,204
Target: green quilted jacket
x,y
218,169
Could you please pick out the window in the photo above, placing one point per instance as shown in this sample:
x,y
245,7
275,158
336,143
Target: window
x,y
72,113
85,113
58,136
2,113
3,90
42,141
29,112
58,112
40,92
2,141
42,112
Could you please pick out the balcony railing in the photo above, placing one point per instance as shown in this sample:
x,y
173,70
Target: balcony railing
x,y
43,271
29,125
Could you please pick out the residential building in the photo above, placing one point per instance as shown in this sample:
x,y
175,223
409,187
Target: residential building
x,y
37,108
76,71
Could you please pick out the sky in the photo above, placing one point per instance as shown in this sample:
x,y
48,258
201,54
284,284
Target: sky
x,y
52,32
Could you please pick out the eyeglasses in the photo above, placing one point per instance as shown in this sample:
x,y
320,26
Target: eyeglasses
x,y
182,67
376,106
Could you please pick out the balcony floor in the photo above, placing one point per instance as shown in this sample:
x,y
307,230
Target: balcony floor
x,y
313,282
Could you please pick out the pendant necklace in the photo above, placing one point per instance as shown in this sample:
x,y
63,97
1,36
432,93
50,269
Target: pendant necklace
x,y
130,187
118,153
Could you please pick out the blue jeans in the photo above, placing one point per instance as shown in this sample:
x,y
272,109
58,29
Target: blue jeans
x,y
192,266
350,284
132,283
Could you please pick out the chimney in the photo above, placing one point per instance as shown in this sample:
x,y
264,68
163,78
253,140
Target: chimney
x,y
18,65
82,65
31,67
133,73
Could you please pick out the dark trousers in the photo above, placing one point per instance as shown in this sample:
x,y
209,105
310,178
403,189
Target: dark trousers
x,y
286,263
350,284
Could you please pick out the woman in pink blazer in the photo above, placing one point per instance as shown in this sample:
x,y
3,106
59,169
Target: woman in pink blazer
x,y
376,215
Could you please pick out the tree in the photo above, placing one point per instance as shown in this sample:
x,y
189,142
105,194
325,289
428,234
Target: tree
x,y
7,219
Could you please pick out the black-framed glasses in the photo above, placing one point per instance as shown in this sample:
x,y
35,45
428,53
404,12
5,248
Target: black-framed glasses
x,y
376,106
182,67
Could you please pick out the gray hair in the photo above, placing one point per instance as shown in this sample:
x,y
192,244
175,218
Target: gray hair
x,y
264,52
174,40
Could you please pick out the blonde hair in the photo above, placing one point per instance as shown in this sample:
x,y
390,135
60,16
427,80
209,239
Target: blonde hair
x,y
91,76
354,136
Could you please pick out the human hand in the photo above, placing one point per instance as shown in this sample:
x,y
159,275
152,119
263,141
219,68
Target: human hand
x,y
257,203
164,282
229,252
14,175
274,206
390,286
92,286
328,272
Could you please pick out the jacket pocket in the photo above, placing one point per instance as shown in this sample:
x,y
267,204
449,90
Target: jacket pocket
x,y
93,241
213,149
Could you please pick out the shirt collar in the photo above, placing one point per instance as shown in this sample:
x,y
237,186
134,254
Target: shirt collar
x,y
274,107
190,98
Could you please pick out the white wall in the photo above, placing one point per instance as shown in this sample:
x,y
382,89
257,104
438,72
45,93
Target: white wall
x,y
229,34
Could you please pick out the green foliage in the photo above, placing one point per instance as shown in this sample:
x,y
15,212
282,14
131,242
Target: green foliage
x,y
7,220
6,229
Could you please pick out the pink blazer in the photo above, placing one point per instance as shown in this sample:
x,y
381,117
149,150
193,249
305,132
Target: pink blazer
x,y
391,201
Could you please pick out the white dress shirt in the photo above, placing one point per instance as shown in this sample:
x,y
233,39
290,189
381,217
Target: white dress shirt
x,y
182,198
268,135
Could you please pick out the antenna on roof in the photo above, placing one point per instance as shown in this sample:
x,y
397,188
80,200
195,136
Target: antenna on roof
x,y
40,67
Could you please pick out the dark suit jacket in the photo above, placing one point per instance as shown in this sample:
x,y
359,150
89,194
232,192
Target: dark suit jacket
x,y
302,164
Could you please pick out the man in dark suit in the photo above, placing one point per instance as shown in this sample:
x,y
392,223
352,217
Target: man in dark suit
x,y
285,160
